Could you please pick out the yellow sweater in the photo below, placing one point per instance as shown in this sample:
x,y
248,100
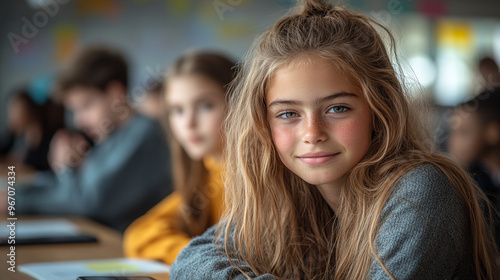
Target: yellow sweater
x,y
156,234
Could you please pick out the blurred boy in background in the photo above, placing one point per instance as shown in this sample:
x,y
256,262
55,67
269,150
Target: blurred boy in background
x,y
474,141
125,173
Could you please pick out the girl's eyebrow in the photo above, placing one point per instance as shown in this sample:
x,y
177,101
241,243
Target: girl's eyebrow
x,y
202,98
199,99
317,101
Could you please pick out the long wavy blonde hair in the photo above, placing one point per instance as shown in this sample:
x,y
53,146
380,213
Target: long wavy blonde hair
x,y
280,224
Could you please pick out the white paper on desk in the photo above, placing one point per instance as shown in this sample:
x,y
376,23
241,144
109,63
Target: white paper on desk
x,y
41,228
108,267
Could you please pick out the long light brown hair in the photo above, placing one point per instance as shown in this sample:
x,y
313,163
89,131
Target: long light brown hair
x,y
280,224
190,175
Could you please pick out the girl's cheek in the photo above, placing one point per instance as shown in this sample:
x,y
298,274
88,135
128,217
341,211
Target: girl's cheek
x,y
283,139
211,124
175,124
349,133
211,120
355,134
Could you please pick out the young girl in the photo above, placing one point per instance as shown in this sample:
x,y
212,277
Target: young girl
x,y
328,174
196,101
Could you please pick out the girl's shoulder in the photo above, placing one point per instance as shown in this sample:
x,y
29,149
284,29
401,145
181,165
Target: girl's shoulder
x,y
427,185
426,199
426,194
424,229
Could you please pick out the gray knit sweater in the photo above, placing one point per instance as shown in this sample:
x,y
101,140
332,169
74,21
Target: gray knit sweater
x,y
424,234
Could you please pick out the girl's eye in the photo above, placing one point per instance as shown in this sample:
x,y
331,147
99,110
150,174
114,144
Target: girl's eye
x,y
207,106
287,115
176,111
338,109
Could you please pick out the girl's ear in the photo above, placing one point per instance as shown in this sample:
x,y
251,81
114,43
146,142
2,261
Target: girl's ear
x,y
492,134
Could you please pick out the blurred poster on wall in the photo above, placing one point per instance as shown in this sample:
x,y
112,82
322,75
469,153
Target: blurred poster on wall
x,y
65,41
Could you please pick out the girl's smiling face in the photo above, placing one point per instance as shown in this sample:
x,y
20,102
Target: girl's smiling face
x,y
320,122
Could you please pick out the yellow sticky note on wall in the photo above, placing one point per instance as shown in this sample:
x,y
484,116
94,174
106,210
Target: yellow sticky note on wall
x,y
66,42
178,7
455,34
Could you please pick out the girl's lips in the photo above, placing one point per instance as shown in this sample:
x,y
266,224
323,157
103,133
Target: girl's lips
x,y
316,158
195,139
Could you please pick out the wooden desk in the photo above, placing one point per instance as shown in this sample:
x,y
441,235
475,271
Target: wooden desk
x,y
109,245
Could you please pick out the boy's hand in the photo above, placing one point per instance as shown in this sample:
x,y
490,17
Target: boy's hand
x,y
67,150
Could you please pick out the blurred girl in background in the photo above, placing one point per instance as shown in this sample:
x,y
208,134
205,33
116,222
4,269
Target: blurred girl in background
x,y
196,105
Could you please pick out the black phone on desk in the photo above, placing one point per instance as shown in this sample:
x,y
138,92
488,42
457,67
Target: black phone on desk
x,y
115,278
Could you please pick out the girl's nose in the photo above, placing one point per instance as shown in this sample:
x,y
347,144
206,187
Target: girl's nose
x,y
314,130
191,121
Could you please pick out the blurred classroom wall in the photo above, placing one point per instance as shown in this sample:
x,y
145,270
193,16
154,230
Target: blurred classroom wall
x,y
442,40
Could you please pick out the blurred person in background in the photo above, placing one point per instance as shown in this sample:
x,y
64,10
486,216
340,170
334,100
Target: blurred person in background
x,y
32,127
151,104
125,173
196,88
490,73
474,141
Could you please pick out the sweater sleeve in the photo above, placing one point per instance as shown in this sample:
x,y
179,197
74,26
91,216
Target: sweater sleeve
x,y
424,232
157,235
204,259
